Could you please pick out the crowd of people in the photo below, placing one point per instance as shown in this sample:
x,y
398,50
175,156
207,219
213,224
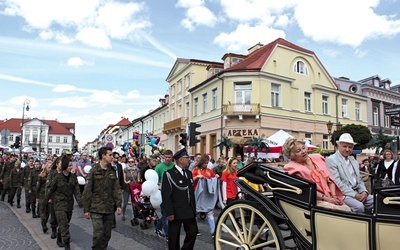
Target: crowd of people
x,y
50,186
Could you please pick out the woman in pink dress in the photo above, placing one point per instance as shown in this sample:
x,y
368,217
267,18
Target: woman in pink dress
x,y
313,168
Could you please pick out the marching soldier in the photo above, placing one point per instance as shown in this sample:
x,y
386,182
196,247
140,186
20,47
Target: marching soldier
x,y
101,196
27,171
5,177
16,182
32,181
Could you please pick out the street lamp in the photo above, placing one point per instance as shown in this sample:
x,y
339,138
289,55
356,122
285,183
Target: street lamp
x,y
40,136
329,126
25,106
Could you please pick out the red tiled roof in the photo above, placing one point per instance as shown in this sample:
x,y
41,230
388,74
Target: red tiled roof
x,y
123,122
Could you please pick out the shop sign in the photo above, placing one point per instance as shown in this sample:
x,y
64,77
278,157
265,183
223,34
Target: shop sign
x,y
243,132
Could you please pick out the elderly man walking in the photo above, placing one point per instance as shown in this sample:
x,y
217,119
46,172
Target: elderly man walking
x,y
345,171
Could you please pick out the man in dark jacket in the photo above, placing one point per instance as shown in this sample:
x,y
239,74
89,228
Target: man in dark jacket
x,y
101,196
179,202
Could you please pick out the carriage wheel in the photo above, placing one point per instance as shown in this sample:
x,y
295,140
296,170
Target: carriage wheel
x,y
244,225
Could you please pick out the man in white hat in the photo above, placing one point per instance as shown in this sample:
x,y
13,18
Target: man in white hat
x,y
345,171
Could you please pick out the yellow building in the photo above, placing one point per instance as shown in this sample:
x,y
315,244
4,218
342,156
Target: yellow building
x,y
276,86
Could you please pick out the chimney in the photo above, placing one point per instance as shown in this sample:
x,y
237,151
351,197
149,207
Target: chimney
x,y
344,78
254,48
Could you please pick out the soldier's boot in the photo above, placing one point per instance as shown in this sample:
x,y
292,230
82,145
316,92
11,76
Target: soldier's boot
x,y
53,232
28,209
18,203
44,227
66,245
60,243
34,215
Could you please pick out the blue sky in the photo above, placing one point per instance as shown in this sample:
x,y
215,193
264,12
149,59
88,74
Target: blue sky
x,y
92,62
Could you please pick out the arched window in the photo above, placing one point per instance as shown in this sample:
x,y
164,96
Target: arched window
x,y
301,68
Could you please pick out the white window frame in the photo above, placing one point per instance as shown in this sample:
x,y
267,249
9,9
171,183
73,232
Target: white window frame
x,y
325,104
308,136
300,68
205,102
358,111
375,116
58,139
187,81
307,101
275,95
65,139
187,109
195,106
325,141
387,121
345,113
214,98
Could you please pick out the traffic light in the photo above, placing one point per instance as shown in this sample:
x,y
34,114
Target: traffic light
x,y
17,143
193,133
183,139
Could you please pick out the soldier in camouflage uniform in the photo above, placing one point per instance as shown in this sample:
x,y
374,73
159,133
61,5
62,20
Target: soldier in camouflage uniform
x,y
27,170
5,176
40,196
55,168
1,168
102,195
32,182
16,182
62,190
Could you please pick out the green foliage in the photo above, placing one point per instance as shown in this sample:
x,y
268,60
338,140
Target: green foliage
x,y
257,143
361,135
224,142
380,140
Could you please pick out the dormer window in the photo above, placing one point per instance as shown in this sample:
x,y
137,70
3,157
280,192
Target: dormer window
x,y
227,62
300,68
235,60
353,88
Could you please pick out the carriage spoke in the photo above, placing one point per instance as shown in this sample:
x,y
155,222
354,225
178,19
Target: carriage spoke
x,y
258,233
251,224
237,228
244,228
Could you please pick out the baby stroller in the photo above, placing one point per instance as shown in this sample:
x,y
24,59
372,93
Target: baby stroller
x,y
142,207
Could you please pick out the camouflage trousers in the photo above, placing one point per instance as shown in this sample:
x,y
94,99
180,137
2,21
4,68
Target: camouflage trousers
x,y
32,197
63,219
44,210
12,192
53,218
102,226
27,196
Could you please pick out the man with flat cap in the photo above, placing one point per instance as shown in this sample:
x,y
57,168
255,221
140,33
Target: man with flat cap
x,y
179,202
345,171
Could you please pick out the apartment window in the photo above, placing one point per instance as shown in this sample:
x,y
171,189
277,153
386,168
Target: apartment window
x,y
243,93
300,67
57,151
179,110
307,101
358,111
50,138
275,93
172,90
204,102
236,60
214,99
375,116
187,81
179,87
308,137
344,108
173,114
65,140
325,142
57,139
11,138
325,104
387,121
195,105
187,109
49,151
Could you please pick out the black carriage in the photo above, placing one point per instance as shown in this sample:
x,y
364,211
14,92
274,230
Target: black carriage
x,y
258,220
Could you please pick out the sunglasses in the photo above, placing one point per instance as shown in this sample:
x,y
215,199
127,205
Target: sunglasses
x,y
131,162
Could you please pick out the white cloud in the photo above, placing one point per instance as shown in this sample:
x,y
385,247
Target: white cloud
x,y
344,22
77,62
197,14
64,88
92,22
71,102
245,36
331,53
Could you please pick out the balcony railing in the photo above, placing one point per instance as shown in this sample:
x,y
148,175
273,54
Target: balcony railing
x,y
174,125
241,109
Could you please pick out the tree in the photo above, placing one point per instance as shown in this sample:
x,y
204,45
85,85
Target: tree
x,y
361,135
224,142
257,143
380,140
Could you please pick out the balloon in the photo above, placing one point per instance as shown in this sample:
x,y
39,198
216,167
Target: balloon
x,y
151,175
87,168
81,180
149,188
156,199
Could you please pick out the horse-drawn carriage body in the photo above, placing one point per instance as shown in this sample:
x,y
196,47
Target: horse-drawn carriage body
x,y
254,222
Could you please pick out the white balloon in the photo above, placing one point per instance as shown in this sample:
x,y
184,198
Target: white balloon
x,y
151,175
149,188
87,168
156,199
81,180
